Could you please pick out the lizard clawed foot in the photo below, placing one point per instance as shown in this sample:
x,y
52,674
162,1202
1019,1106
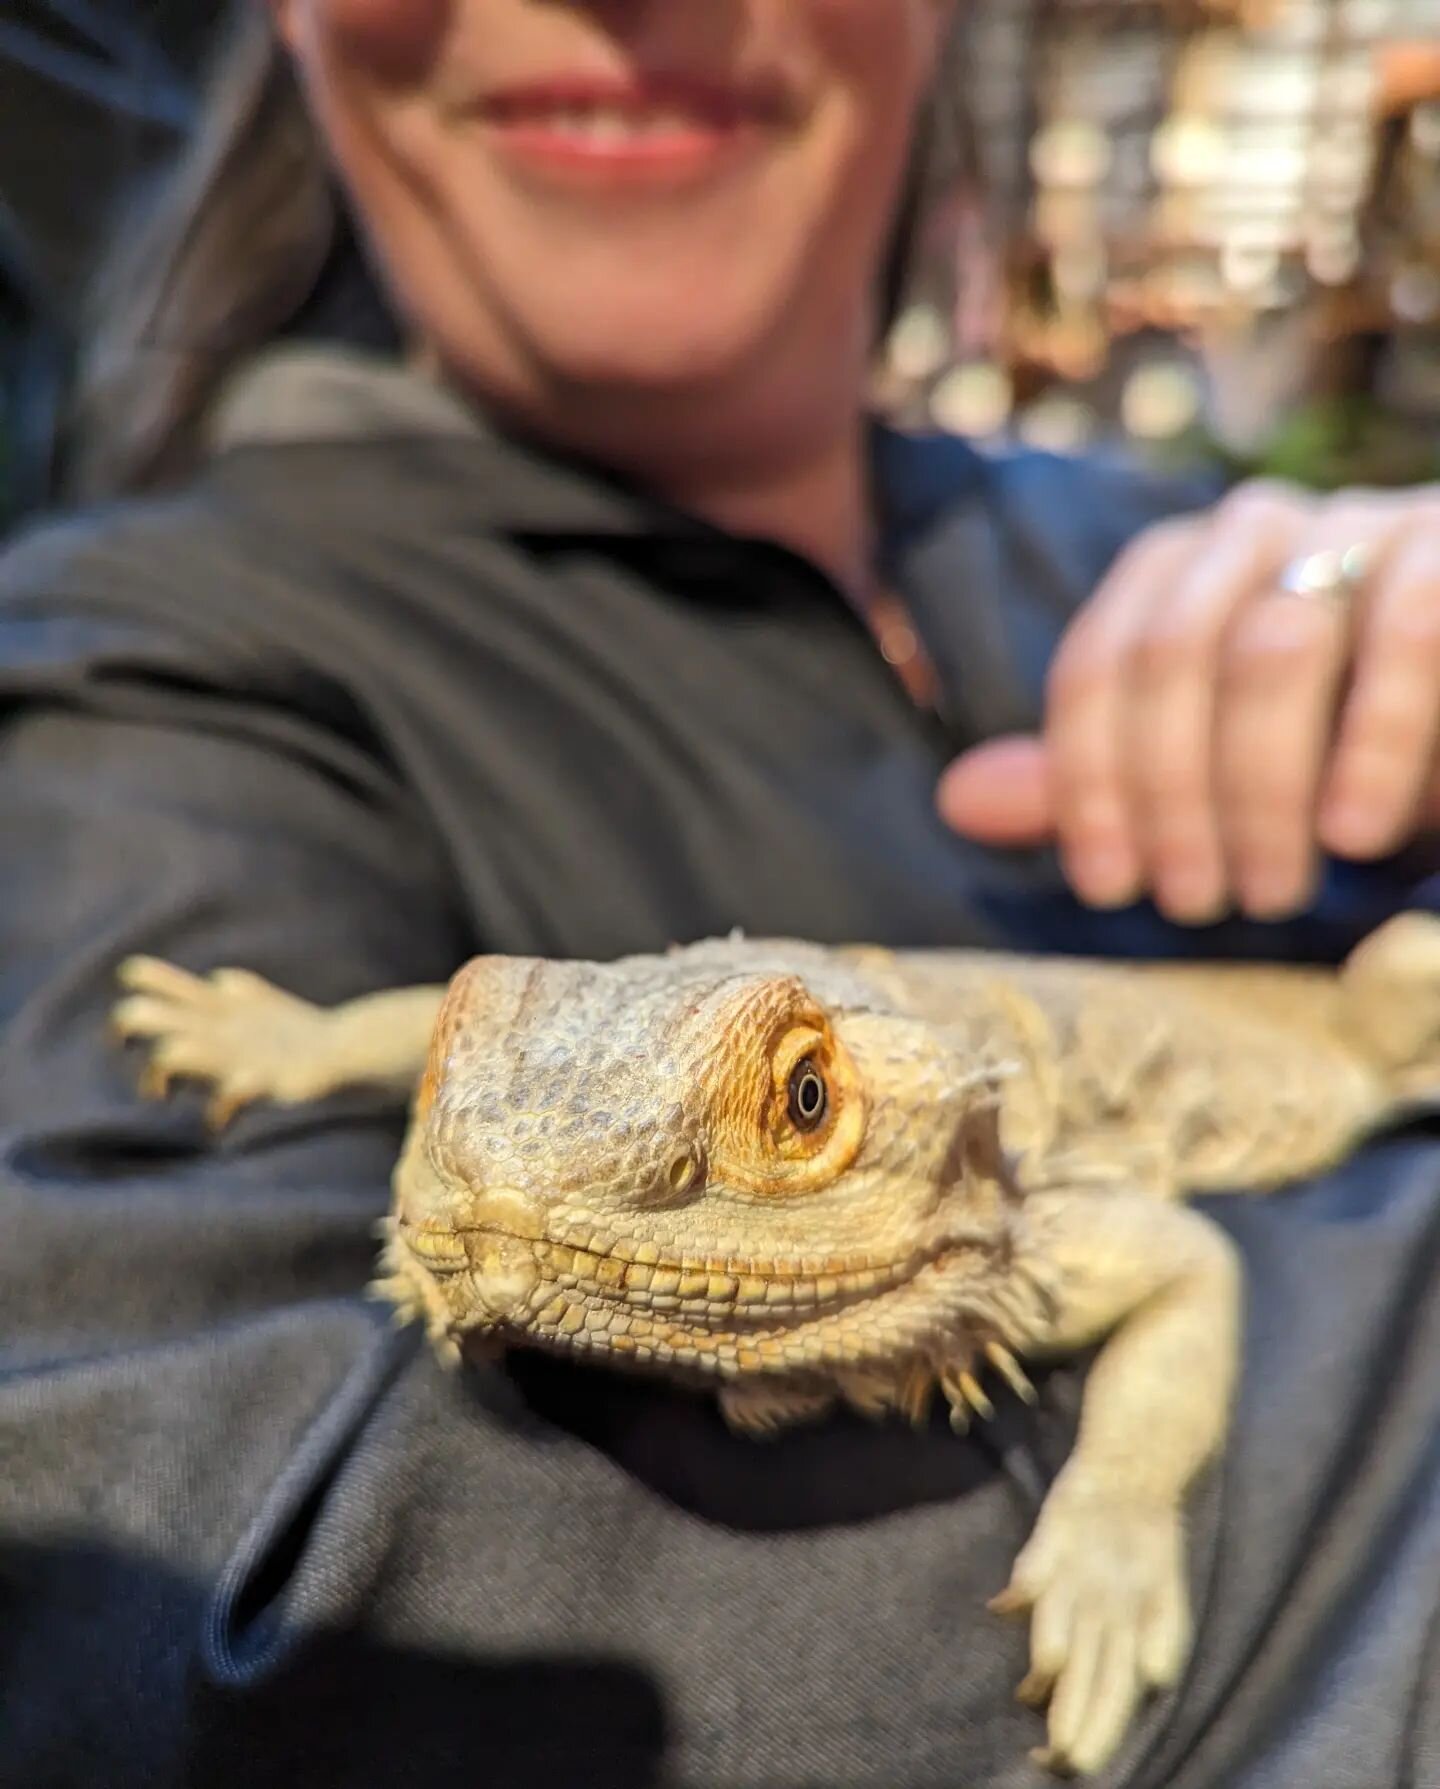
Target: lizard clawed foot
x,y
1103,1578
966,1396
233,1030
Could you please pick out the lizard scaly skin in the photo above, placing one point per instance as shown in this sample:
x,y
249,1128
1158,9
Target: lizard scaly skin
x,y
802,1176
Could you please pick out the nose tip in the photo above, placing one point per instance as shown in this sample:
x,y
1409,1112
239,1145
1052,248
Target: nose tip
x,y
508,1211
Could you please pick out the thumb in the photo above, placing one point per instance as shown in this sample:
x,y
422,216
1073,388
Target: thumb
x,y
999,793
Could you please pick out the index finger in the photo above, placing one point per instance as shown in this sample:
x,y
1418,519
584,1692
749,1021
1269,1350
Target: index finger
x,y
1085,717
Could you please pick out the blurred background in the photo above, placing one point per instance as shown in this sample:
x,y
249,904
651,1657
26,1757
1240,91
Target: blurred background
x,y
1207,234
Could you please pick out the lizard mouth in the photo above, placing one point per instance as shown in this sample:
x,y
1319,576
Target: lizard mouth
x,y
622,1274
720,1285
711,1317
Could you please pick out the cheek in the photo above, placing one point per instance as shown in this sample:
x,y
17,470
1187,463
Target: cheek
x,y
887,51
880,61
390,40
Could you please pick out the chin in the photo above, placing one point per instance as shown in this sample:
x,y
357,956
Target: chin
x,y
648,359
672,334
589,347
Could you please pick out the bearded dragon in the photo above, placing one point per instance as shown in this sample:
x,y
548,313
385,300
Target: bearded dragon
x,y
801,1176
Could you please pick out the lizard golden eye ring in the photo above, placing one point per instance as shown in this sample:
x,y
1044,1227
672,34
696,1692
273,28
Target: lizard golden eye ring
x,y
781,1147
1333,575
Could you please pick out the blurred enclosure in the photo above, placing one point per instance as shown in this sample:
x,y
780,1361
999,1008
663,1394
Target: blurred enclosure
x,y
1198,230
1194,230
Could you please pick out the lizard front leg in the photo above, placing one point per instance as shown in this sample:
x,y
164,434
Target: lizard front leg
x,y
1104,1574
250,1040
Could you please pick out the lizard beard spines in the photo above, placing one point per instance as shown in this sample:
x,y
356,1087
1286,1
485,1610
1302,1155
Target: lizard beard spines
x,y
909,1388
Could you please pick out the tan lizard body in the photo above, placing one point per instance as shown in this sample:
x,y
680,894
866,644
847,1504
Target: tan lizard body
x,y
799,1175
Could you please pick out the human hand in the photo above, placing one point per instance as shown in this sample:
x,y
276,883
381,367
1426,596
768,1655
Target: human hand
x,y
1207,734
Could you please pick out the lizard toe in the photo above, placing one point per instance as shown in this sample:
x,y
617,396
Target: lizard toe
x,y
1104,1583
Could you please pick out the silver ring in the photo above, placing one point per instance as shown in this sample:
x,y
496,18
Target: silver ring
x,y
1331,575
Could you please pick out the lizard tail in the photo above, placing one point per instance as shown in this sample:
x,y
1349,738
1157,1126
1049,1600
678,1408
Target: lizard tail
x,y
1391,982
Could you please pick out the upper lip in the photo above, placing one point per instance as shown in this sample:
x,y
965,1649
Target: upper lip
x,y
719,101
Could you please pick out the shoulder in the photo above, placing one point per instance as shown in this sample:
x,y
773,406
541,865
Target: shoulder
x,y
211,578
132,562
174,607
92,598
169,652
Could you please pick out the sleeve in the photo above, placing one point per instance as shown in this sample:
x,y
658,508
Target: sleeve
x,y
151,802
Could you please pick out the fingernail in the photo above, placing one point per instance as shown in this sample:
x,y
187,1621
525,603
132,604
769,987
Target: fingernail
x,y
1354,828
1104,876
1273,894
1191,898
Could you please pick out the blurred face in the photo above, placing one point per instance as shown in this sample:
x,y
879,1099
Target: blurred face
x,y
625,196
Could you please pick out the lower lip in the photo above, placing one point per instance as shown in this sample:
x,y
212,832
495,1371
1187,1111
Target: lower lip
x,y
684,154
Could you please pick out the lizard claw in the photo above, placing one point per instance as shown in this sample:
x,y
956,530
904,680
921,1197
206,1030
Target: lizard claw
x,y
155,1079
1011,1372
965,1394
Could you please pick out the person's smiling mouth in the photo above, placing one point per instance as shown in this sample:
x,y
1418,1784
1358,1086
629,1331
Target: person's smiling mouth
x,y
652,129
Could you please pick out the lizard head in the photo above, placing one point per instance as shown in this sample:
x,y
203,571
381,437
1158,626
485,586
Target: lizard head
x,y
695,1165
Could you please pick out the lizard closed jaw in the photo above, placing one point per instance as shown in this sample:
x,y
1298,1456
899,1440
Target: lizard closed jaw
x,y
701,1284
710,1308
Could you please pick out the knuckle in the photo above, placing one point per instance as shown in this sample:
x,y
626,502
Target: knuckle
x,y
1278,639
1160,539
1383,752
1170,647
1266,811
1412,628
1263,782
1262,505
1168,535
1177,805
1093,823
1085,664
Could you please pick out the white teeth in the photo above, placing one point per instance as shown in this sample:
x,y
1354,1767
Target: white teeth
x,y
607,124
606,127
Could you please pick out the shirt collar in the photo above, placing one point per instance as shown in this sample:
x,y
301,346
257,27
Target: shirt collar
x,y
312,393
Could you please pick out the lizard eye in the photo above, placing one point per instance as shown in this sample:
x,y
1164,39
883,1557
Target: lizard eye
x,y
789,1111
809,1097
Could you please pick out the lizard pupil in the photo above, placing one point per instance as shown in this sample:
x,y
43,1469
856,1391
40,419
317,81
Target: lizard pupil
x,y
808,1095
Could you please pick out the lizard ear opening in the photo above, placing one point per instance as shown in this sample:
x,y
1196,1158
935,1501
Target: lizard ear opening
x,y
976,1148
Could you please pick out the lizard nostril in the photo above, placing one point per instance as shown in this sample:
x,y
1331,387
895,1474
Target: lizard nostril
x,y
682,1177
507,1211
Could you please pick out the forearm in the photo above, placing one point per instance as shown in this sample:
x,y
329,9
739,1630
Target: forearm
x,y
1162,1284
382,1039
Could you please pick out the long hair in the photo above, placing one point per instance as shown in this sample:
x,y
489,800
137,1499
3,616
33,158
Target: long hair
x,y
246,240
